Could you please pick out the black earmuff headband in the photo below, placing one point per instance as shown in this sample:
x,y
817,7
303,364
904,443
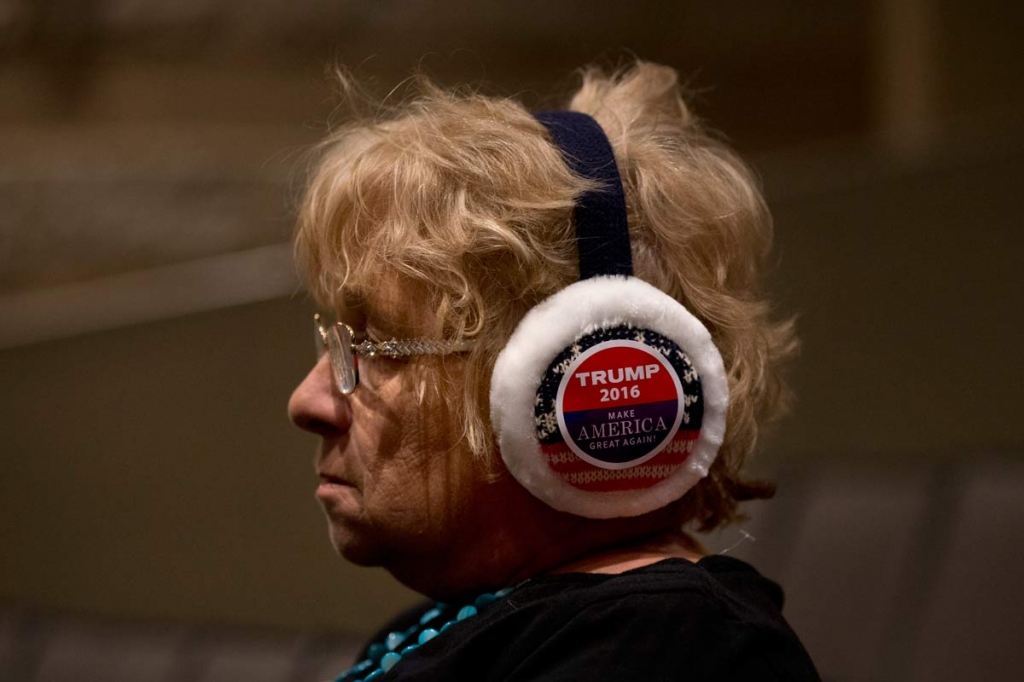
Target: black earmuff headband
x,y
602,232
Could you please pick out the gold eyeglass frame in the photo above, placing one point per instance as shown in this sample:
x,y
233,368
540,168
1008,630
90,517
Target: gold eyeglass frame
x,y
338,347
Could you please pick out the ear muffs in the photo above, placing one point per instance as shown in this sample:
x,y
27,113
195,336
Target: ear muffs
x,y
610,398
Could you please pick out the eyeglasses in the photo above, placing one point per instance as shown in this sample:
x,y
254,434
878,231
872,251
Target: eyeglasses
x,y
345,351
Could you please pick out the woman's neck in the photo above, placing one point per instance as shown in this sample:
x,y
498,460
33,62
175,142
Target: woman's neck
x,y
511,536
636,554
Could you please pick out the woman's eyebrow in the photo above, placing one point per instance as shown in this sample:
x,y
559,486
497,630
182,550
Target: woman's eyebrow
x,y
376,317
351,306
372,318
354,297
384,326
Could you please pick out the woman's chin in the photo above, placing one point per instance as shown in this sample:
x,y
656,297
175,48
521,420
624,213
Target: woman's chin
x,y
355,546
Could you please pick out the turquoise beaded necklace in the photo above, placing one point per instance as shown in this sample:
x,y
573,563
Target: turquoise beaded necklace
x,y
383,655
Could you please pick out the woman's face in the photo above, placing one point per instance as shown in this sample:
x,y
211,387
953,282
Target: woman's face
x,y
396,478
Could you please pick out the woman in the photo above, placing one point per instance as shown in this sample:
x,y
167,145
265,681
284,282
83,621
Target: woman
x,y
547,352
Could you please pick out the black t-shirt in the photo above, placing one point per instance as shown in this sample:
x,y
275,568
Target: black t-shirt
x,y
718,619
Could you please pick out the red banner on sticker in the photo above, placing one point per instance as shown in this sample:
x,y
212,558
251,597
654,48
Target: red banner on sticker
x,y
618,376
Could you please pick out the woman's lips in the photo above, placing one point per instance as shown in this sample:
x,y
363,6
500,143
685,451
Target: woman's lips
x,y
331,487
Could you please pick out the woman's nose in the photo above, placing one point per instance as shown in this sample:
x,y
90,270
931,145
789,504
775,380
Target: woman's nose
x,y
316,404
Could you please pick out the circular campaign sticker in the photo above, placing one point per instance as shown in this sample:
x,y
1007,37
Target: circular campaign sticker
x,y
619,404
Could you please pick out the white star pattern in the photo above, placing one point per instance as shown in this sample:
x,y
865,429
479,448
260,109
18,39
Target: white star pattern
x,y
546,424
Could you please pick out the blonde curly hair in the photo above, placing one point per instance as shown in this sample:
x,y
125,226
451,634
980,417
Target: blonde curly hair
x,y
466,196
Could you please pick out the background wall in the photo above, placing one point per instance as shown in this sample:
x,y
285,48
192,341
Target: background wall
x,y
152,328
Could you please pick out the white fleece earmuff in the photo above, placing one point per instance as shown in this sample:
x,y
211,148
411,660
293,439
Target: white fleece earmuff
x,y
610,397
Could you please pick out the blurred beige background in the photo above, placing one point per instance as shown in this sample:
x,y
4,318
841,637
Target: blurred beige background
x,y
151,327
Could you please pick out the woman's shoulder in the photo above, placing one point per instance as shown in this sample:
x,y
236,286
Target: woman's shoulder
x,y
715,577
712,620
673,597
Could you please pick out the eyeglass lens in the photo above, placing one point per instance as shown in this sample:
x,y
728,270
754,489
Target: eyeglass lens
x,y
343,360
